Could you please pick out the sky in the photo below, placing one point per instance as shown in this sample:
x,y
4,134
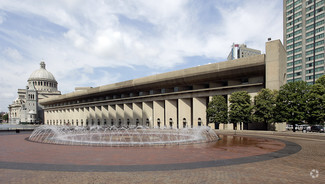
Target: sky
x,y
99,42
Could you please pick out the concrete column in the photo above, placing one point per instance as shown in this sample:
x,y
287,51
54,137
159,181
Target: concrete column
x,y
105,114
159,113
137,113
199,112
147,113
98,115
46,117
92,114
184,112
112,115
82,116
74,113
120,114
128,114
171,113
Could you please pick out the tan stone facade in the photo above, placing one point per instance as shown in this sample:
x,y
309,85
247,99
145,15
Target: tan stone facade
x,y
175,99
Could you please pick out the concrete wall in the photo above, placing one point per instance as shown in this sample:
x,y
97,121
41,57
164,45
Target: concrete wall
x,y
171,113
159,113
184,112
147,113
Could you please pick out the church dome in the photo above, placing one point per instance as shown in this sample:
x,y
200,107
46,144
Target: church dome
x,y
41,74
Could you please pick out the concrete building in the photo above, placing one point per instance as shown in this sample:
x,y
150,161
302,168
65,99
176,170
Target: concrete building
x,y
303,28
241,51
175,99
40,85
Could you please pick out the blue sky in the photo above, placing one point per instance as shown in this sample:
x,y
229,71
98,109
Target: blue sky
x,y
98,42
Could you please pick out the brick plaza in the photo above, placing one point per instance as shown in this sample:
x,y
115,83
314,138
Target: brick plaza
x,y
247,157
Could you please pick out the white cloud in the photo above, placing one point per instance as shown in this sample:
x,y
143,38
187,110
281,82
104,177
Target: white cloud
x,y
12,53
112,34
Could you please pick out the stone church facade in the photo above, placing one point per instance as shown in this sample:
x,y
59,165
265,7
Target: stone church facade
x,y
40,85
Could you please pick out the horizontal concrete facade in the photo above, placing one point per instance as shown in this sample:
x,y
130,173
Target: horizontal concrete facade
x,y
175,99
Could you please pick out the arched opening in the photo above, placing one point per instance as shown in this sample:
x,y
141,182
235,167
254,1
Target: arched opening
x,y
87,123
98,122
112,122
170,122
77,122
158,122
199,122
147,122
184,123
82,122
137,122
50,122
72,123
128,122
104,121
119,122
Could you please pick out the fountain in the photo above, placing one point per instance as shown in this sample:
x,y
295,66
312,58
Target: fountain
x,y
123,136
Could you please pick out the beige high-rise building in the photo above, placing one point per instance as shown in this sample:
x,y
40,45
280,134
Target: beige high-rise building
x,y
303,28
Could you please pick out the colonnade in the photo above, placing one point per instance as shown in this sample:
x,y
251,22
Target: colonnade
x,y
171,113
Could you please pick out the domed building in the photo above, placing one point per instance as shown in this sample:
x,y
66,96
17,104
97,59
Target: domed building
x,y
26,109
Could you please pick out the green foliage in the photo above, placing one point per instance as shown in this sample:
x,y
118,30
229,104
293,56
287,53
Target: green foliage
x,y
264,105
240,107
321,80
5,117
291,102
217,110
316,104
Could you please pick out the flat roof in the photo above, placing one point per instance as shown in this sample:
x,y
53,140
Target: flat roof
x,y
218,71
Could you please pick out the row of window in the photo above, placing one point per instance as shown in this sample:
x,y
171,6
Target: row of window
x,y
294,51
296,74
316,31
296,79
295,33
316,76
316,44
316,63
43,83
318,56
316,50
294,57
317,24
296,68
295,39
315,38
319,69
297,44
296,63
317,18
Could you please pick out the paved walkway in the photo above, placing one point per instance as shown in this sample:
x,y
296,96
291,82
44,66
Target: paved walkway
x,y
294,168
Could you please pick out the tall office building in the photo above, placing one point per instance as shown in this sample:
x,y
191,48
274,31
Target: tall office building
x,y
304,39
240,51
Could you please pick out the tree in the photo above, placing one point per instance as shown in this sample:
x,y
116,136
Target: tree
x,y
240,107
291,102
321,80
5,117
264,105
217,110
316,102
